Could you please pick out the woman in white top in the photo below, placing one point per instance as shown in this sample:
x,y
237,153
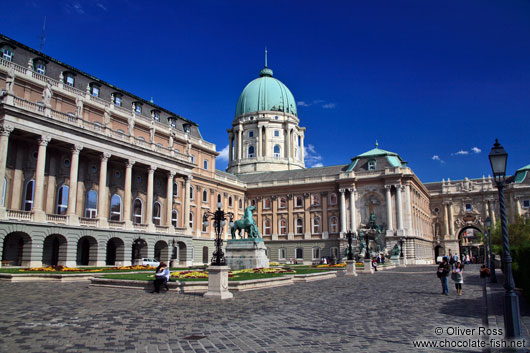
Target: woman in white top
x,y
458,277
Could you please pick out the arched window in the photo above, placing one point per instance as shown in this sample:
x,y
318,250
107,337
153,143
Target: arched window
x,y
267,203
299,201
277,151
283,227
204,224
205,164
62,199
251,134
205,195
191,220
175,189
91,204
333,224
175,218
115,208
219,199
250,152
230,202
28,195
4,188
316,225
371,164
283,202
191,193
333,198
157,211
267,227
299,226
240,203
137,211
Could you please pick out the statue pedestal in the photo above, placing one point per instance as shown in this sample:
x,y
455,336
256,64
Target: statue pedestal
x,y
368,266
402,262
243,254
218,283
350,268
395,260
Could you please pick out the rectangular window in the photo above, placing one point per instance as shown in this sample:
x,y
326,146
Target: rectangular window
x,y
526,203
70,80
468,207
138,108
95,91
276,133
117,101
281,253
40,68
299,253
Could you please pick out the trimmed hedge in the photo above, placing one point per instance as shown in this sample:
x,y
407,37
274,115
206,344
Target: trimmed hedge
x,y
521,267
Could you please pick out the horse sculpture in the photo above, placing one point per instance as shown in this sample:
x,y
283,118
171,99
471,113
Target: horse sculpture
x,y
247,224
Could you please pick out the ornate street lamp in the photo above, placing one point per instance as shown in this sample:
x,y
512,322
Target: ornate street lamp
x,y
512,321
137,248
401,245
350,236
491,258
219,218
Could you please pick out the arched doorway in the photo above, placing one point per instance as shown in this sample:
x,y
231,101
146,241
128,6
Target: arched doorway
x,y
139,250
17,249
438,251
204,254
115,252
87,248
54,250
162,251
470,242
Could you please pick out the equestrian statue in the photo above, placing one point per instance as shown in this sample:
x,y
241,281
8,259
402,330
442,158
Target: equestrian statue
x,y
247,224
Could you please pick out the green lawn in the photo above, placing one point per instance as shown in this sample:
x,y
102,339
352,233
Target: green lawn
x,y
92,270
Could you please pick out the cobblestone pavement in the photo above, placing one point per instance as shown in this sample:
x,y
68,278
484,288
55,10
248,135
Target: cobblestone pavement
x,y
382,312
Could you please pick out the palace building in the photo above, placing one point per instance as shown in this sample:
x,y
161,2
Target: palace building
x,y
94,175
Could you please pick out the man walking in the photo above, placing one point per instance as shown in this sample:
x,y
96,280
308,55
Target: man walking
x,y
443,275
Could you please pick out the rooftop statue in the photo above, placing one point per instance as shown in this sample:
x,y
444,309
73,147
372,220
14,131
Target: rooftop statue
x,y
247,224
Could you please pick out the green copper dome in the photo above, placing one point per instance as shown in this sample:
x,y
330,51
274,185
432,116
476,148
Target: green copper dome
x,y
266,93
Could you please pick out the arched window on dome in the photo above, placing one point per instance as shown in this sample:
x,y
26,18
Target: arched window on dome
x,y
251,152
371,164
277,151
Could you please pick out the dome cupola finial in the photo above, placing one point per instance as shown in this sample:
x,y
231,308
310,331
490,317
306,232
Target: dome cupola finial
x,y
265,71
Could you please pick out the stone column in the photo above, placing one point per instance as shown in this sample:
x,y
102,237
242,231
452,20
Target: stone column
x,y
342,211
239,142
399,207
408,207
287,143
236,148
353,225
446,219
187,204
451,220
325,216
39,214
259,152
264,143
73,219
4,139
18,178
230,147
302,148
389,207
518,210
169,200
103,195
150,180
127,194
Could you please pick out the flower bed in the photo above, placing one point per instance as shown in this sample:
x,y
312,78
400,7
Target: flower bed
x,y
75,269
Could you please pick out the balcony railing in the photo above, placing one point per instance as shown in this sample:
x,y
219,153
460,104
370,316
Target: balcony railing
x,y
56,218
116,224
89,222
20,215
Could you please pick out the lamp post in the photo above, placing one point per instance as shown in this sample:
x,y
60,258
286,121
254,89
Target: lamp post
x,y
491,258
219,218
137,251
512,321
350,236
401,247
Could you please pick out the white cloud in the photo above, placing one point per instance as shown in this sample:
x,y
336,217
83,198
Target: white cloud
x,y
223,154
461,153
317,165
302,104
329,105
101,6
435,158
476,150
311,157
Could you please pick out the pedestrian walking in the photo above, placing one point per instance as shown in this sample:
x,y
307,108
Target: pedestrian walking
x,y
443,274
458,277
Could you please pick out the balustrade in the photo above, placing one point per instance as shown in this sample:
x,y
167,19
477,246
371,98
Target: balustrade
x,y
56,218
20,215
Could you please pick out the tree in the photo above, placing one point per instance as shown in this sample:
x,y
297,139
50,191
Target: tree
x,y
518,233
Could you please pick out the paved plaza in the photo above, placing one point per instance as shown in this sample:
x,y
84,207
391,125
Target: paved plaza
x,y
383,312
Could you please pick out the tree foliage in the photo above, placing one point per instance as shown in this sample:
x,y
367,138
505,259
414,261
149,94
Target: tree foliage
x,y
518,233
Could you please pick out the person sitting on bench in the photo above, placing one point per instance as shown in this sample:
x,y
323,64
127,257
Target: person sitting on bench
x,y
161,277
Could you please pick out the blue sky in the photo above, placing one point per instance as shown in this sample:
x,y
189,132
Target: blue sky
x,y
435,82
